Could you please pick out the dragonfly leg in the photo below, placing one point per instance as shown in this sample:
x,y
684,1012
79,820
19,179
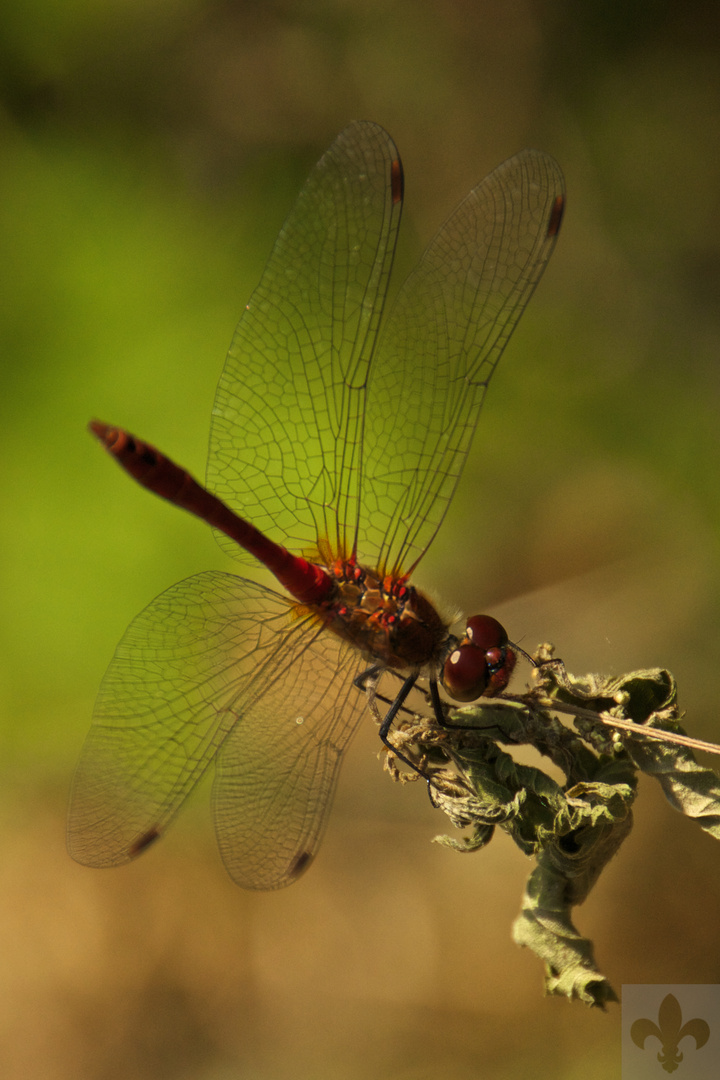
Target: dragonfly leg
x,y
370,675
368,680
437,704
390,716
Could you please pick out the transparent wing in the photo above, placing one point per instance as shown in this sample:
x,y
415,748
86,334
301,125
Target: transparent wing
x,y
276,772
286,433
197,664
439,348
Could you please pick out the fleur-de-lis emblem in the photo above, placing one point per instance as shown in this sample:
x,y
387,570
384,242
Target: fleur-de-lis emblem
x,y
670,1030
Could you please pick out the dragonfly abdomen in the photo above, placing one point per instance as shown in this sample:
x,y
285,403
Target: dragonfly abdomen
x,y
307,581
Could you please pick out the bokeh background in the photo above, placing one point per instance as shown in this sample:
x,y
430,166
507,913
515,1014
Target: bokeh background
x,y
149,153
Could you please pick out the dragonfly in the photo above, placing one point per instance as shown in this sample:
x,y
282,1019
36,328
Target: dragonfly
x,y
339,434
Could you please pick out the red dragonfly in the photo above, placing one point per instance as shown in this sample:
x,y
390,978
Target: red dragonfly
x,y
341,435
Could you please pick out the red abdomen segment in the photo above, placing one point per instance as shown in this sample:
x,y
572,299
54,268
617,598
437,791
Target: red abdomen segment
x,y
306,581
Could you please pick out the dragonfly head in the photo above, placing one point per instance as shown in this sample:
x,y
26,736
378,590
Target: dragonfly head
x,y
481,662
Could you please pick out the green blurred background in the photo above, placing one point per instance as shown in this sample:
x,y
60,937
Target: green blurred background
x,y
149,154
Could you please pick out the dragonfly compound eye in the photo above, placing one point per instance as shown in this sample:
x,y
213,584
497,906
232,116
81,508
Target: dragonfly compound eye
x,y
485,633
482,663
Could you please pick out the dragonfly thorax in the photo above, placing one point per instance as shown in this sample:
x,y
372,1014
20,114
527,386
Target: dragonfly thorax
x,y
385,618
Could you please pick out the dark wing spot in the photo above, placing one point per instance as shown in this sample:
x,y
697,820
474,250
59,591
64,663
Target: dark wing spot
x,y
396,180
556,216
300,865
143,842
